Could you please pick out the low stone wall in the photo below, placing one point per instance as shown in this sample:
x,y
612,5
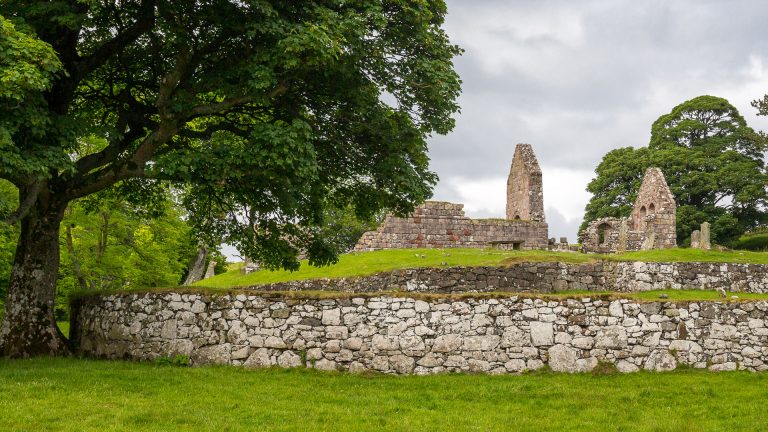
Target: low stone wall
x,y
423,336
549,277
645,276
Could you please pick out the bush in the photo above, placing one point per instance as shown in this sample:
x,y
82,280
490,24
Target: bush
x,y
753,242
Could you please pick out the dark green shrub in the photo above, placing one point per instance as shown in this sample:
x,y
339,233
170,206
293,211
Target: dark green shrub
x,y
754,242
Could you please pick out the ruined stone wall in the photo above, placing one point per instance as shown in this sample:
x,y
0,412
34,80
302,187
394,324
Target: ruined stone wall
x,y
654,211
548,277
437,224
424,336
651,225
525,190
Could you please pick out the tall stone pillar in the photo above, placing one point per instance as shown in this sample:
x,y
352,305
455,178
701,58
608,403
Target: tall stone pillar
x,y
705,242
623,228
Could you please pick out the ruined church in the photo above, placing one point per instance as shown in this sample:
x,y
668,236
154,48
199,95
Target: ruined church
x,y
437,224
651,225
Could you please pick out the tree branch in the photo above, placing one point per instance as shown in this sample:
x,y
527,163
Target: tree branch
x,y
215,108
26,204
144,22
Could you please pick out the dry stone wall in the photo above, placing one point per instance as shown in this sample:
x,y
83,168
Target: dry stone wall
x,y
417,336
549,277
437,224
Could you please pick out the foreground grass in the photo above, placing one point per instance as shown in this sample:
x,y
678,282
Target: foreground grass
x,y
366,263
82,395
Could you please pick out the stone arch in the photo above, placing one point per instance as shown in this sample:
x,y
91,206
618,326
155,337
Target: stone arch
x,y
517,217
603,232
640,220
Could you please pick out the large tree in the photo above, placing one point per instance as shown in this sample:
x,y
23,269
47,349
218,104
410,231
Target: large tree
x,y
264,112
713,162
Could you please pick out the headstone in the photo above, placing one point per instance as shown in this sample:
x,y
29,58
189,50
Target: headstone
x,y
210,271
649,242
696,239
249,266
705,242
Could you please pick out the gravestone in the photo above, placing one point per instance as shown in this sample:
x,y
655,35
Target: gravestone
x,y
696,239
210,271
705,242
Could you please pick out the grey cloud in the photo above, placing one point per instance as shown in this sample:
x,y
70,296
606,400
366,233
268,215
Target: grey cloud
x,y
577,79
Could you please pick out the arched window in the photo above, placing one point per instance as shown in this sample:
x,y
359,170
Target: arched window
x,y
517,217
651,209
640,221
603,232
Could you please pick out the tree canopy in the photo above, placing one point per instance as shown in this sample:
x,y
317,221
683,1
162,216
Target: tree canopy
x,y
266,110
264,113
713,162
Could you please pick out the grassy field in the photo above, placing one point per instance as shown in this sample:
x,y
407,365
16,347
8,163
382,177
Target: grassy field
x,y
365,263
83,395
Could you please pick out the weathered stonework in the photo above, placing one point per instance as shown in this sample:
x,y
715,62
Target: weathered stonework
x,y
650,226
525,190
548,277
437,224
402,335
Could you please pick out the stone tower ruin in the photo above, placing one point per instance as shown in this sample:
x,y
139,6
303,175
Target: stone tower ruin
x,y
525,192
651,225
654,211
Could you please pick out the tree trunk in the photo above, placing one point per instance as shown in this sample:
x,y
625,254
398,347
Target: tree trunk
x,y
29,328
197,266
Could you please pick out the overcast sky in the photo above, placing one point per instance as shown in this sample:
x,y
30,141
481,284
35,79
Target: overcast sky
x,y
578,78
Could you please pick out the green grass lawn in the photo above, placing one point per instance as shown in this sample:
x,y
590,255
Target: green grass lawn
x,y
85,395
365,263
693,255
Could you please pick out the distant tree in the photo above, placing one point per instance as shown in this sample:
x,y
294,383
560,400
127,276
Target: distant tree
x,y
8,235
277,107
108,244
614,190
343,228
713,163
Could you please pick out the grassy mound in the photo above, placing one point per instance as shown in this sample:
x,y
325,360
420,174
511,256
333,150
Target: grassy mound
x,y
83,395
366,263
